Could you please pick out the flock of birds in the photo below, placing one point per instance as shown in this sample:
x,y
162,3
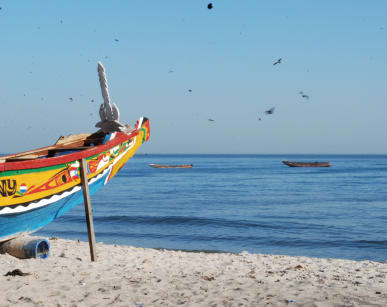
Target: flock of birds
x,y
267,112
271,110
303,95
279,61
209,6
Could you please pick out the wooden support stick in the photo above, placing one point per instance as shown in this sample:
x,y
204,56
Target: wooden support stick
x,y
88,213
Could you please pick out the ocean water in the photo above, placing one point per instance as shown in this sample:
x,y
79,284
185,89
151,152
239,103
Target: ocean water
x,y
234,203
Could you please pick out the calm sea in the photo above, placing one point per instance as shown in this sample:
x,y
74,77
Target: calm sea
x,y
240,203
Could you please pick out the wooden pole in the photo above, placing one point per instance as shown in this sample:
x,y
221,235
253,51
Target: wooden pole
x,y
88,212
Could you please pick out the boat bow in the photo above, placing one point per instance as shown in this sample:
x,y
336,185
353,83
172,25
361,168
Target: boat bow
x,y
40,185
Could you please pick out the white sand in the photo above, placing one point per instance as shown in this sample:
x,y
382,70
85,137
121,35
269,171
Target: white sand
x,y
129,276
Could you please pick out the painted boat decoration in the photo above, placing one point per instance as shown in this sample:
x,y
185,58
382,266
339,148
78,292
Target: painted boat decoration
x,y
40,185
306,164
171,166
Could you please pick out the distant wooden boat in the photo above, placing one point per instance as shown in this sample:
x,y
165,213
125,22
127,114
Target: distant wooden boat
x,y
306,164
38,186
171,166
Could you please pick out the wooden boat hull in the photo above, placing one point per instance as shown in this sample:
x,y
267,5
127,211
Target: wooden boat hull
x,y
35,192
171,166
306,164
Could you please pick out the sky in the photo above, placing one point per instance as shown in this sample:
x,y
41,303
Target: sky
x,y
180,64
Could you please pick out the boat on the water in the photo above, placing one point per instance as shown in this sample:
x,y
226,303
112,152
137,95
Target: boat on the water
x,y
171,166
38,186
306,164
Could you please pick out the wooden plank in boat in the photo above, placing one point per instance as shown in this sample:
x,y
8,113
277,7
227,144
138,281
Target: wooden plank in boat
x,y
20,158
72,138
59,149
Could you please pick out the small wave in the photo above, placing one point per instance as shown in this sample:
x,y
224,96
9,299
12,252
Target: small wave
x,y
185,220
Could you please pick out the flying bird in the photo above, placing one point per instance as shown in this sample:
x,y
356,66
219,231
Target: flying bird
x,y
116,40
277,62
304,95
71,99
211,120
210,6
270,111
190,90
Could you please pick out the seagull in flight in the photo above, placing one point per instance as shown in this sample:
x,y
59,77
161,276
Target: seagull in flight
x,y
270,111
277,62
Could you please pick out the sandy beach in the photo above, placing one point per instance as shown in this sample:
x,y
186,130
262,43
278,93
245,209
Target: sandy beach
x,y
130,276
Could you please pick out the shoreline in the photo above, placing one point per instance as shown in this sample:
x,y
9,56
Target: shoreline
x,y
130,276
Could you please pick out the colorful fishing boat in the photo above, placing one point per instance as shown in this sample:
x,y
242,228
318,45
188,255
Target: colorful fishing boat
x,y
306,164
171,166
40,185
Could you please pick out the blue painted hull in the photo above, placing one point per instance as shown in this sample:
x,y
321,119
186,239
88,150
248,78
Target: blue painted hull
x,y
13,225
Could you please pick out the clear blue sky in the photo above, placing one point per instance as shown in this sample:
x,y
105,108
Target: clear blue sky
x,y
333,51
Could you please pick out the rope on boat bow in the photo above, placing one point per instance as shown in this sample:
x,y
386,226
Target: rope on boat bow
x,y
109,113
